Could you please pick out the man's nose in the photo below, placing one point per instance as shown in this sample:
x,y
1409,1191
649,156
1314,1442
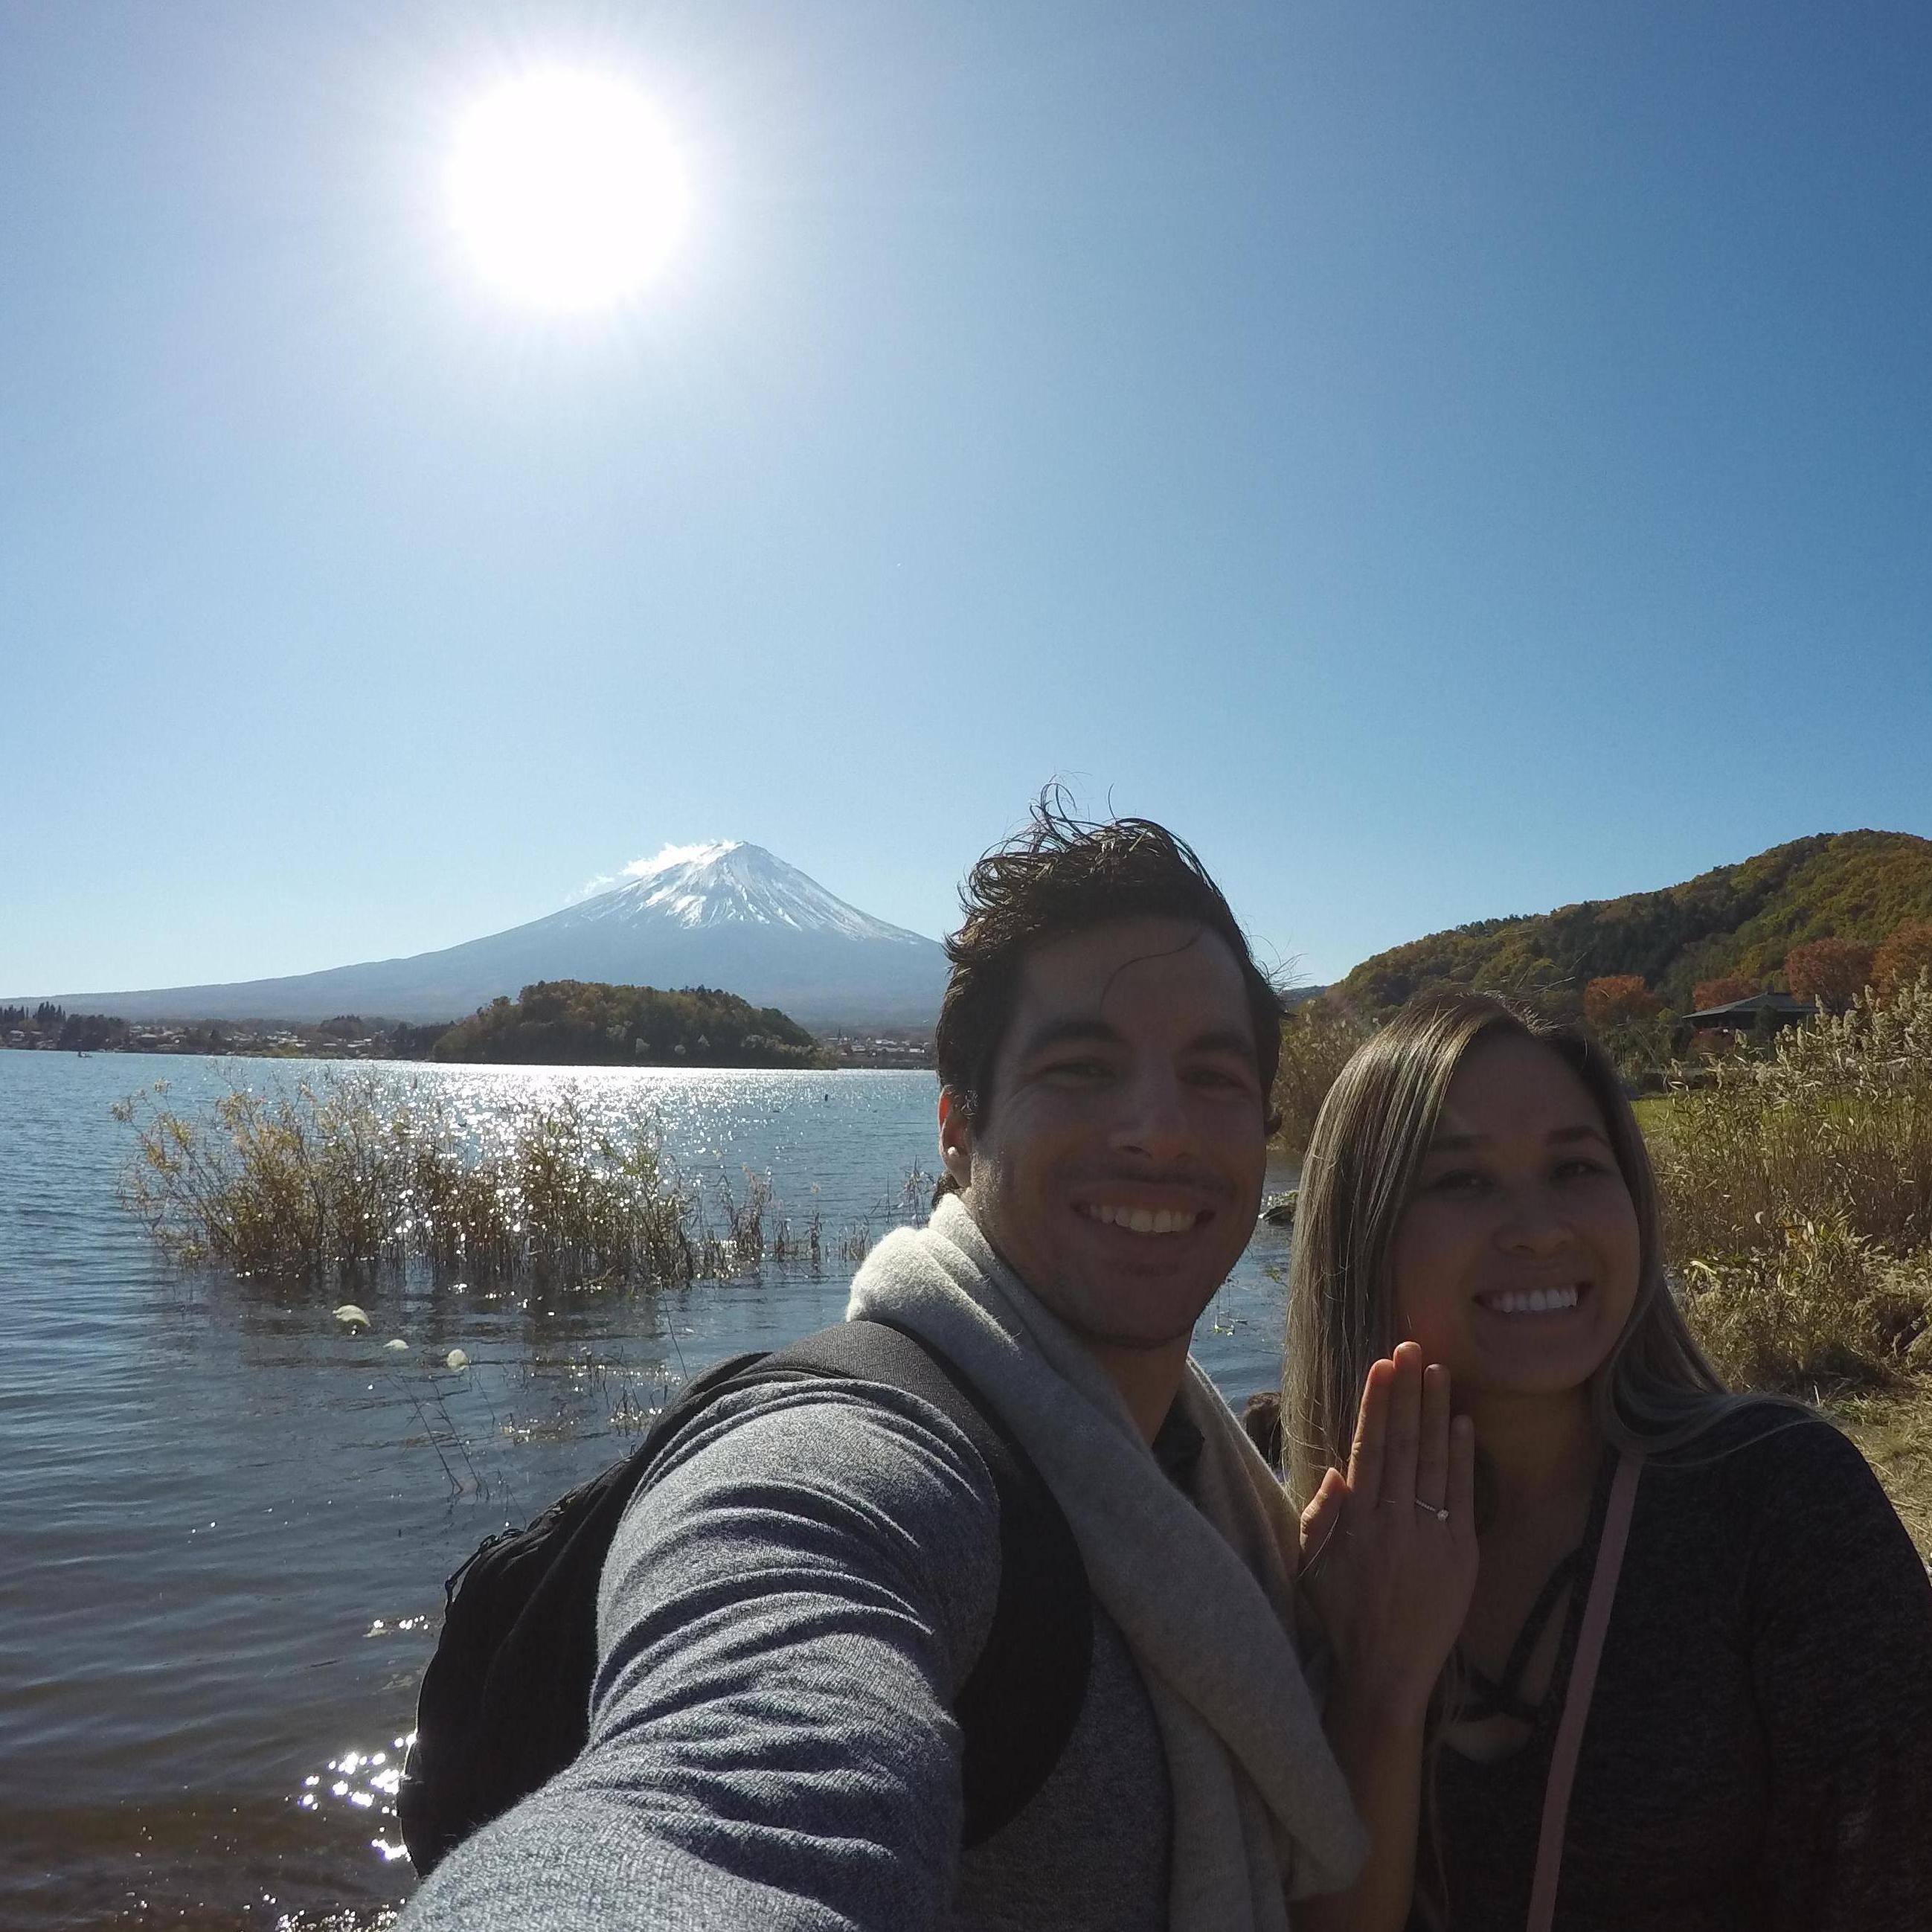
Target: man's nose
x,y
1153,1119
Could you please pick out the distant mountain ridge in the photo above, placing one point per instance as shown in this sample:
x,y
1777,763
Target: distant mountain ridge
x,y
1734,919
728,915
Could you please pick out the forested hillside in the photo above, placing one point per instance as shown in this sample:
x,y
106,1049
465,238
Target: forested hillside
x,y
1740,920
580,1023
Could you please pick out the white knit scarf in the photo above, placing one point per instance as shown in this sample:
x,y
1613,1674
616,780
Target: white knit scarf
x,y
1199,1591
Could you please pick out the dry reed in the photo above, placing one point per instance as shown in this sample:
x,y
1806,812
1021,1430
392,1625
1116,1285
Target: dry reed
x,y
1317,1038
1797,1192
348,1171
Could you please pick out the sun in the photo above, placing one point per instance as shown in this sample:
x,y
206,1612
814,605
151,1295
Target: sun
x,y
568,190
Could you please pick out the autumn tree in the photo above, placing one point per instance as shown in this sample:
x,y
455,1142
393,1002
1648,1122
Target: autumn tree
x,y
1618,999
1834,972
1905,954
1724,991
1629,1020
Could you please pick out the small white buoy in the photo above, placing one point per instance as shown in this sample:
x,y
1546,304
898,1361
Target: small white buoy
x,y
350,1316
456,1359
398,1343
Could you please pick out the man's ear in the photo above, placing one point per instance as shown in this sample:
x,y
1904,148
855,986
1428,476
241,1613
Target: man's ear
x,y
955,1138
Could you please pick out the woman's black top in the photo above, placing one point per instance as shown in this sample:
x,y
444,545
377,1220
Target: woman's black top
x,y
1759,1753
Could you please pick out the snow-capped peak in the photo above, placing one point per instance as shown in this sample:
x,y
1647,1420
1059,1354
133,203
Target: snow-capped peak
x,y
672,855
727,882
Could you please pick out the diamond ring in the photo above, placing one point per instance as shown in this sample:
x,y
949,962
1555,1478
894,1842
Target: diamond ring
x,y
1440,1515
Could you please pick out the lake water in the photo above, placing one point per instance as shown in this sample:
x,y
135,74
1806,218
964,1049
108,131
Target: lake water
x,y
228,1518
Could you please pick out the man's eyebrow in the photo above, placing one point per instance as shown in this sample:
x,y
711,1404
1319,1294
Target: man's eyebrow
x,y
1075,1029
1072,1030
1558,1137
1224,1040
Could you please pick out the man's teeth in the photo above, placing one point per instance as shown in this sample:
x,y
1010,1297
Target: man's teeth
x,y
1145,1220
1533,1301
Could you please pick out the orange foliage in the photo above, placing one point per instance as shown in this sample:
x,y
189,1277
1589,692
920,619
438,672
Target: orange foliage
x,y
1721,992
1903,956
1617,997
1834,972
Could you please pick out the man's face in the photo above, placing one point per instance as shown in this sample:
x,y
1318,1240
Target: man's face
x,y
1119,1171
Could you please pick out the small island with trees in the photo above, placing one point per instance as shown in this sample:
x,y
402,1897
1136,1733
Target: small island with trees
x,y
582,1023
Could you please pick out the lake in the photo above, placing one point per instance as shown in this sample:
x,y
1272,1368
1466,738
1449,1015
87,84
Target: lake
x,y
229,1518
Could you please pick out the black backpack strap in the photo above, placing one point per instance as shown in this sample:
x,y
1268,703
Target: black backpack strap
x,y
1019,1704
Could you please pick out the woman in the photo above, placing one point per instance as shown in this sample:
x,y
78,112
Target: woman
x,y
1480,1336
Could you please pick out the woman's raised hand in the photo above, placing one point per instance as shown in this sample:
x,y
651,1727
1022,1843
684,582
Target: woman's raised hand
x,y
1388,1552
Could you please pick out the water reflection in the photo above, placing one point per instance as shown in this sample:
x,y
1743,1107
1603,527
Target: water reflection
x,y
365,1782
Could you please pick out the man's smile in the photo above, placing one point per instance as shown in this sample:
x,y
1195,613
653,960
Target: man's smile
x,y
1141,1220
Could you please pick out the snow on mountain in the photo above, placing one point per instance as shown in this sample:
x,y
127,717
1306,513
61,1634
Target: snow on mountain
x,y
729,883
726,914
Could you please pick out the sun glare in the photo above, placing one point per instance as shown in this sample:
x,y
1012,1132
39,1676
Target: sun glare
x,y
568,190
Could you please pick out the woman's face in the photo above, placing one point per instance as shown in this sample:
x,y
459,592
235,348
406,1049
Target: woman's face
x,y
1517,1257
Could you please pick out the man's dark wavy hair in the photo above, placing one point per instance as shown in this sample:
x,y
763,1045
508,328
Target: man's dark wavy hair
x,y
1063,875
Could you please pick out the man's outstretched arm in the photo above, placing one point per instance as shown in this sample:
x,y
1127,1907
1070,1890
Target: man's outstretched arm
x,y
785,1616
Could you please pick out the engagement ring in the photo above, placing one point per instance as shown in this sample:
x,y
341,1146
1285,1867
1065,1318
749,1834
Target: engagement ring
x,y
1440,1515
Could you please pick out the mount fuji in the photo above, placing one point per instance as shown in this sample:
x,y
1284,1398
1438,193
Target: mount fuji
x,y
726,915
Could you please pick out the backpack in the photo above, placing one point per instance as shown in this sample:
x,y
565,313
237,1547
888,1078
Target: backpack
x,y
505,1701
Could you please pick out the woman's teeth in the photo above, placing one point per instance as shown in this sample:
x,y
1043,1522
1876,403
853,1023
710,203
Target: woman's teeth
x,y
1144,1220
1533,1301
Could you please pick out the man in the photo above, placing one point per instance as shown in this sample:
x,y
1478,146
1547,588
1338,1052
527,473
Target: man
x,y
794,1601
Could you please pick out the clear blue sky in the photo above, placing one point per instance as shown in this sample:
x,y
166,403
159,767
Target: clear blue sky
x,y
1445,460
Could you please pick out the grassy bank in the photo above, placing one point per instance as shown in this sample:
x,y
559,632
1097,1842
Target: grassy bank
x,y
1797,1199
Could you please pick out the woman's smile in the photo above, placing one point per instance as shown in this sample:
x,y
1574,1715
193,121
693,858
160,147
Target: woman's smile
x,y
1540,1301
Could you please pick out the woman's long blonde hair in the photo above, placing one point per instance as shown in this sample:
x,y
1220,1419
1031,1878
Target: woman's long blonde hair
x,y
1656,1390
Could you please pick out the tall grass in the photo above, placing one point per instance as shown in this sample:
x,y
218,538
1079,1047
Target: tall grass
x,y
348,1172
1317,1038
345,1172
1798,1195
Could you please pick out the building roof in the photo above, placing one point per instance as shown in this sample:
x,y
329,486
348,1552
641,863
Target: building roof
x,y
1741,1013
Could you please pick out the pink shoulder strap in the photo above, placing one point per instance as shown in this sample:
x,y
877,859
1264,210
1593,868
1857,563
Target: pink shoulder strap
x,y
1577,1700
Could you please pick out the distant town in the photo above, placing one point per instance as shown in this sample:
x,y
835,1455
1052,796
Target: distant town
x,y
50,1028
